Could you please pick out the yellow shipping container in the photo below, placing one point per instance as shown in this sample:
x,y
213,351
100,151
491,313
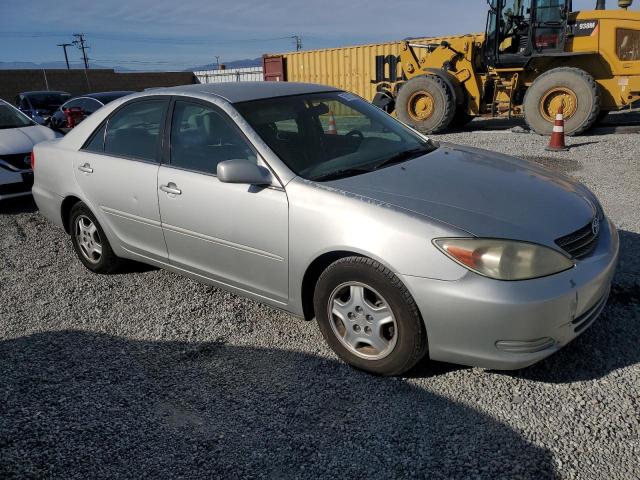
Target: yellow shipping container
x,y
359,69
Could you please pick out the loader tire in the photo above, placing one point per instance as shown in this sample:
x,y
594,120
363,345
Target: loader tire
x,y
573,87
461,118
426,103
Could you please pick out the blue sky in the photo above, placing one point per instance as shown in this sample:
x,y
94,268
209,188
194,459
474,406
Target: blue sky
x,y
176,34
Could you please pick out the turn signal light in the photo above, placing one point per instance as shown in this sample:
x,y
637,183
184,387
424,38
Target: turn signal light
x,y
33,161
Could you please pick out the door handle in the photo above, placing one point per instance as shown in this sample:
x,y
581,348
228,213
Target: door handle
x,y
171,188
86,168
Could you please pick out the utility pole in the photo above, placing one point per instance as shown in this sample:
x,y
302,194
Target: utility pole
x,y
217,62
64,47
81,44
298,40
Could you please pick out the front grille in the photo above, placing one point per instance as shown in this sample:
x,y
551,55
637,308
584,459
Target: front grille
x,y
580,243
17,160
587,318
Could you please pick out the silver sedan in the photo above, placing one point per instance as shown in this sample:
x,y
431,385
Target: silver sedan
x,y
311,200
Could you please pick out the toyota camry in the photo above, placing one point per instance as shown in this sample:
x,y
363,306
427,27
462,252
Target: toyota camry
x,y
314,201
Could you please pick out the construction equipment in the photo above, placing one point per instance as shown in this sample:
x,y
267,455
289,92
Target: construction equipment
x,y
535,56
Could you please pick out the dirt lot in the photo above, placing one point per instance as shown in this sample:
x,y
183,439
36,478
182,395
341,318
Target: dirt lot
x,y
146,374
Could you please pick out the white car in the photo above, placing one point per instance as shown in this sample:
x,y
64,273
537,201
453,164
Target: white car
x,y
18,135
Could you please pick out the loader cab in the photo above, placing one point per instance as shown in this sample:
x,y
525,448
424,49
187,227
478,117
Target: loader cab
x,y
518,30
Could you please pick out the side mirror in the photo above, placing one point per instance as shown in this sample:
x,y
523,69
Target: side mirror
x,y
243,171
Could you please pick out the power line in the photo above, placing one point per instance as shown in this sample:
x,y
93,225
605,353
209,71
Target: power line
x,y
150,39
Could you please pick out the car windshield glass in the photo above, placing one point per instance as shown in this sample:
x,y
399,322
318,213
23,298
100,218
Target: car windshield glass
x,y
325,136
48,100
12,118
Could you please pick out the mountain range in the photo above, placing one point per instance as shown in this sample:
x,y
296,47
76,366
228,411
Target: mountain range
x,y
249,62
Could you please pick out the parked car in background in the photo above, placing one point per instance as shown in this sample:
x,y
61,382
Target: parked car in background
x,y
83,106
18,135
40,105
312,200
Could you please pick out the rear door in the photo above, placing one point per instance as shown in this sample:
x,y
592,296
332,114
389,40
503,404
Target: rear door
x,y
117,170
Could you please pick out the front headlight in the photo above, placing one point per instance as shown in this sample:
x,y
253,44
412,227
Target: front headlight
x,y
504,259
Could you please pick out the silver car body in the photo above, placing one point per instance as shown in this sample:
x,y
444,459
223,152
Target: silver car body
x,y
263,242
16,145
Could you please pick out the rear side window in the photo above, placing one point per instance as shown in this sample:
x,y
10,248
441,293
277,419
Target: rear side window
x,y
628,44
96,144
136,129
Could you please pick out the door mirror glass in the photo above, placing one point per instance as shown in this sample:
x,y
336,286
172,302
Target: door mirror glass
x,y
243,171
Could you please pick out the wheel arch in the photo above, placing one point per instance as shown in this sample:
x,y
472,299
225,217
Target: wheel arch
x,y
319,265
65,210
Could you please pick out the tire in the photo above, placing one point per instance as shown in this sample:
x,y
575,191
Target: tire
x,y
84,239
602,116
432,92
573,84
461,118
401,331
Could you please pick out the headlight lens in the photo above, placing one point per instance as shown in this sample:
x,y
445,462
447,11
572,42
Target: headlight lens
x,y
504,259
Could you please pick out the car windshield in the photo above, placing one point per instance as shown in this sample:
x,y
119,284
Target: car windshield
x,y
12,118
325,136
48,100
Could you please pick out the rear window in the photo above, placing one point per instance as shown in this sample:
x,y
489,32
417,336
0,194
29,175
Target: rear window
x,y
628,44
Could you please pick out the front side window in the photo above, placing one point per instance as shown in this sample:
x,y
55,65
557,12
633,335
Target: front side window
x,y
628,44
325,136
12,118
202,137
136,129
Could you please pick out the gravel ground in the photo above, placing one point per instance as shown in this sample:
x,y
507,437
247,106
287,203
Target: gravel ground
x,y
149,375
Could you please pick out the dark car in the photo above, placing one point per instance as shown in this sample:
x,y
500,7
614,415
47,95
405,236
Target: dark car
x,y
83,106
40,105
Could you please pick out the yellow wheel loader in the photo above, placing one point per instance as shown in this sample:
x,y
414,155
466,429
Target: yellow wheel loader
x,y
534,56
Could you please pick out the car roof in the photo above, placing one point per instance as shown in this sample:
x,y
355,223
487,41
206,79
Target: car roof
x,y
39,92
236,92
100,95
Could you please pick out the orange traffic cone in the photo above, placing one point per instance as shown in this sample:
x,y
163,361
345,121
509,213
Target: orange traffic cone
x,y
332,130
556,144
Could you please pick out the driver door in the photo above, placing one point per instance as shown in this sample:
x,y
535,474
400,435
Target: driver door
x,y
549,26
233,234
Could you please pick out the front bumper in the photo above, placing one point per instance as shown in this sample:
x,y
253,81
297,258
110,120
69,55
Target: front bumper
x,y
509,325
15,183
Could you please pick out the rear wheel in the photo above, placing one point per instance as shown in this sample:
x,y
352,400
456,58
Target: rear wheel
x,y
368,317
571,87
426,103
90,242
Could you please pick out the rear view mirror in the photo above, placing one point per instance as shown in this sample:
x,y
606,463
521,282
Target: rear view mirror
x,y
243,171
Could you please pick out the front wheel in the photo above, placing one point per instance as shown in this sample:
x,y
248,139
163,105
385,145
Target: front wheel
x,y
570,87
368,317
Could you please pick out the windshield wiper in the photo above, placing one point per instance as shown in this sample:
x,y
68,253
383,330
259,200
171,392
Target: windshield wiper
x,y
346,172
403,156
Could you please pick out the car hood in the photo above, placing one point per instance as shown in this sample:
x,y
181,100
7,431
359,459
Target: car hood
x,y
484,193
22,140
